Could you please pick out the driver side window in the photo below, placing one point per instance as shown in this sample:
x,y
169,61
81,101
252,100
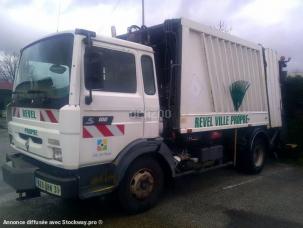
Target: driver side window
x,y
110,70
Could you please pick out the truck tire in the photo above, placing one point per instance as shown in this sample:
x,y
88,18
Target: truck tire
x,y
141,186
251,160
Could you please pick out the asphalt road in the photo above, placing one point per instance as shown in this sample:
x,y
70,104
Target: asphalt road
x,y
221,198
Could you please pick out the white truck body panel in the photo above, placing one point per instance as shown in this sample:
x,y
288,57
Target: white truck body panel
x,y
273,86
211,62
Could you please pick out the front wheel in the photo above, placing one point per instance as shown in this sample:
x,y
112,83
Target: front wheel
x,y
141,185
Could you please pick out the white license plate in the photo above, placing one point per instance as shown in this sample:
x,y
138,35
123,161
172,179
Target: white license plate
x,y
48,187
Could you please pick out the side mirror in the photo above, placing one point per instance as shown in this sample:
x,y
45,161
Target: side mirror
x,y
89,98
93,72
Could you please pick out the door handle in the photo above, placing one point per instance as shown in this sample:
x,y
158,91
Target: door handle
x,y
140,114
136,114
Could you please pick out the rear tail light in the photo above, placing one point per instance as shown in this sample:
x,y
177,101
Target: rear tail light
x,y
215,135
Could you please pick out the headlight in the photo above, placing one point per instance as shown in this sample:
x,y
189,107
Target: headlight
x,y
57,154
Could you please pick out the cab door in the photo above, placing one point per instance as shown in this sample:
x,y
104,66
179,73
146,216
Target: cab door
x,y
115,116
151,98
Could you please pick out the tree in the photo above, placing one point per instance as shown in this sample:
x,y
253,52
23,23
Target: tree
x,y
8,66
293,95
221,26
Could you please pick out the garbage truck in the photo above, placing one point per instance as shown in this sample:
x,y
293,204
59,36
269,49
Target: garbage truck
x,y
92,115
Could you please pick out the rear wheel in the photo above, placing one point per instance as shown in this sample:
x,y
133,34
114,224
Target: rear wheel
x,y
141,185
251,160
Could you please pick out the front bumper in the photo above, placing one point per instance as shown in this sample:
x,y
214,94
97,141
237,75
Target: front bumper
x,y
21,175
22,172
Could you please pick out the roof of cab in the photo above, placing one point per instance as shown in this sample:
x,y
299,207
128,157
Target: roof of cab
x,y
46,37
109,40
124,43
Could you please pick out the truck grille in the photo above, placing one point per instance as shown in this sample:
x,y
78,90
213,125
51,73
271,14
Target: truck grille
x,y
33,138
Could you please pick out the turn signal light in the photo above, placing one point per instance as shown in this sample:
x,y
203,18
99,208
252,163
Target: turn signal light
x,y
57,154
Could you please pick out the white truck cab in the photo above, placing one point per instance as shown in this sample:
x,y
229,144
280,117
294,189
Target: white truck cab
x,y
50,106
90,116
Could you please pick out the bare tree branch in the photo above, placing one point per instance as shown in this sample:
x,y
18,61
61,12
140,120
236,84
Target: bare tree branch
x,y
221,26
8,66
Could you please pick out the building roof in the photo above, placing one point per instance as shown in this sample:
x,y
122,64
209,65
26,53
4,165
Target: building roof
x,y
6,85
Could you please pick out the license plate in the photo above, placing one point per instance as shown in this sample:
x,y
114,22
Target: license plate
x,y
48,187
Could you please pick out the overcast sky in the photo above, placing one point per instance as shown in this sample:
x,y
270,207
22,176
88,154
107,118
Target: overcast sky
x,y
276,24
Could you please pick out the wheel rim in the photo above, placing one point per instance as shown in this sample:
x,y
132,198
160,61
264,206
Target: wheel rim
x,y
259,156
142,184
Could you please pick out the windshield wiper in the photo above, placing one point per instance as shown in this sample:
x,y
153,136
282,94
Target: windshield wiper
x,y
32,91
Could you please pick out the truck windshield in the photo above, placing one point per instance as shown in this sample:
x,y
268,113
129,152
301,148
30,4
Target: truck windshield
x,y
42,78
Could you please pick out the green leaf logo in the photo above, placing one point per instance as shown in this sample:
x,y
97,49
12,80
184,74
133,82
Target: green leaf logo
x,y
237,91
